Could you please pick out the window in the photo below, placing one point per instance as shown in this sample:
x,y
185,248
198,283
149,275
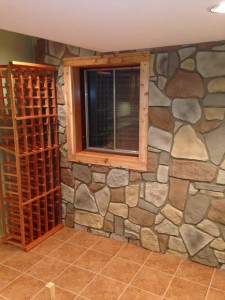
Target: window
x,y
107,109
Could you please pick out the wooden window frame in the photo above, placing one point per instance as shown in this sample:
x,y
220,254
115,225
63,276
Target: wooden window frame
x,y
72,68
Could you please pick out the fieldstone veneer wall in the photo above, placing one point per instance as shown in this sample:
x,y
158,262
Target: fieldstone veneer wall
x,y
178,205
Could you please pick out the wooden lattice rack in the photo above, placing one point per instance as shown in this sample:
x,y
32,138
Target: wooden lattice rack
x,y
29,173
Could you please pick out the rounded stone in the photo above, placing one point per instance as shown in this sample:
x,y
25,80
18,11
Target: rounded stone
x,y
186,109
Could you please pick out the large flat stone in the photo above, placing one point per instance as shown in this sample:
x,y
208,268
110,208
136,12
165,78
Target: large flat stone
x,y
194,239
216,85
102,198
177,244
204,127
84,200
187,145
119,209
162,174
89,219
217,211
206,257
156,193
152,161
172,214
214,100
214,113
173,63
221,177
132,195
186,52
196,208
141,217
178,192
117,178
216,144
132,226
161,117
162,63
209,227
197,171
220,256
209,187
185,85
156,97
218,244
147,206
211,64
118,195
188,64
56,49
82,173
66,177
159,139
166,227
67,193
186,110
149,239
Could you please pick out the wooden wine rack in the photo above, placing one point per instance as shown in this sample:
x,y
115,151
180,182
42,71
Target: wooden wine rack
x,y
29,171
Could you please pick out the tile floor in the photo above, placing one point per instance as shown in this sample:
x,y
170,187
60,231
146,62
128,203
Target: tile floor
x,y
86,266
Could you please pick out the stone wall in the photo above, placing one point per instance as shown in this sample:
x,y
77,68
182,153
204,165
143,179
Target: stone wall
x,y
178,205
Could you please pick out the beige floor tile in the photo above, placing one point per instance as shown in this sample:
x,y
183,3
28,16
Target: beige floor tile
x,y
134,253
132,293
108,246
23,288
218,281
152,281
74,279
195,272
68,253
215,295
47,269
65,233
47,246
23,260
84,239
59,295
7,275
163,262
121,269
7,251
93,261
185,290
102,288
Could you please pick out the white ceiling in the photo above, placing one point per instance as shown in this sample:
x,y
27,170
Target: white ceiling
x,y
113,25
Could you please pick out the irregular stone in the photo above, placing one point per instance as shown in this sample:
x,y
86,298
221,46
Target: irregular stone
x,y
109,217
135,176
204,127
156,97
212,113
64,210
209,227
141,217
67,178
61,81
185,85
132,194
119,225
163,242
167,227
186,52
49,60
209,187
60,96
160,117
119,209
216,144
192,189
156,193
183,256
219,48
56,49
149,240
147,206
82,173
172,214
196,208
149,176
173,63
222,166
162,174
162,63
177,244
135,242
206,257
186,109
213,194
194,239
159,139
69,221
61,129
214,100
178,192
177,126
216,85
151,65
80,227
61,115
86,52
188,64
99,232
102,198
89,219
132,226
94,187
131,234
217,211
221,177
164,158
151,149
197,171
159,218
218,244
188,145
64,163
118,195
162,82
70,208
73,50
152,162
142,189
117,178
117,237
220,256
84,200
67,193
108,226
99,177
99,169
210,64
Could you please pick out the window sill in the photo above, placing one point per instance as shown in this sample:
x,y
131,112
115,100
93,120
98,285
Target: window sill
x,y
112,160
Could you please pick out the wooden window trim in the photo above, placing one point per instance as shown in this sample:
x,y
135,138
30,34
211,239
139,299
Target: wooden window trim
x,y
73,109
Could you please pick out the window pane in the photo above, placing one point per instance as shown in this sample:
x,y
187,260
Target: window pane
x,y
127,90
100,109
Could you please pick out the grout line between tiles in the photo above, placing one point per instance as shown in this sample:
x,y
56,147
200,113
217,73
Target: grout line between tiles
x,y
210,284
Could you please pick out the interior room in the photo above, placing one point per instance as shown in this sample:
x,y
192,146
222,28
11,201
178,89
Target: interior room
x,y
112,150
